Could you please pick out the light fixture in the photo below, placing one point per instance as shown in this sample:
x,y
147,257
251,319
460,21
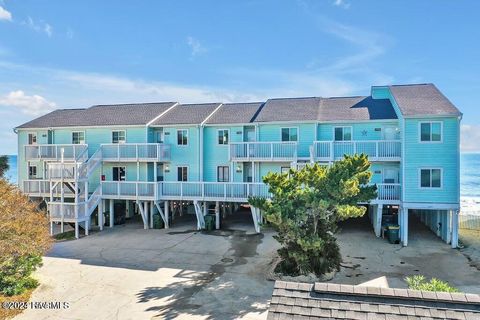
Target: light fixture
x,y
239,168
167,168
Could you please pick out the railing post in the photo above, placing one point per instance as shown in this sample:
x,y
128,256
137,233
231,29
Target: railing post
x,y
136,151
332,149
376,149
224,190
181,189
271,150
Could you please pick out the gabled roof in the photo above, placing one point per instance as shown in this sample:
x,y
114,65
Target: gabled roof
x,y
101,115
235,113
289,109
187,114
292,300
422,99
355,108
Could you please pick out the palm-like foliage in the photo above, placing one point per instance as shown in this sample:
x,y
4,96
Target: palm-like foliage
x,y
4,166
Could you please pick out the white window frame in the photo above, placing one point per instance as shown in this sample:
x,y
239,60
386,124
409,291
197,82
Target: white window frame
x,y
36,171
124,167
176,137
343,134
228,176
176,172
84,137
430,122
124,133
298,134
228,132
28,138
420,178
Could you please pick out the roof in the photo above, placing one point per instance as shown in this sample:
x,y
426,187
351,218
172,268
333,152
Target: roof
x,y
235,113
422,99
289,109
187,114
355,108
292,300
101,115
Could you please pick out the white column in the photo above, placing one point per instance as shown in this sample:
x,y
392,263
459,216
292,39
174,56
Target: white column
x,y
100,214
378,220
76,230
405,227
111,209
454,228
217,215
167,213
51,228
449,227
145,218
205,205
151,214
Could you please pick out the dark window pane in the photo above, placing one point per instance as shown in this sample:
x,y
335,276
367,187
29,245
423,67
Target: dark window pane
x,y
436,132
425,131
436,178
338,134
425,178
285,134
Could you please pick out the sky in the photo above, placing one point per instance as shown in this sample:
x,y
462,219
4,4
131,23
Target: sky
x,y
74,54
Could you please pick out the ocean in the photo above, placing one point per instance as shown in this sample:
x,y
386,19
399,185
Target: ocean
x,y
469,180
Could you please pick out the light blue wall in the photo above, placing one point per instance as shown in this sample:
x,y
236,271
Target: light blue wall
x,y
306,135
361,130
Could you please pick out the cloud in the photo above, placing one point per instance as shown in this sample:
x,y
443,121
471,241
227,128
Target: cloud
x,y
30,105
5,15
195,46
342,4
40,27
70,33
470,138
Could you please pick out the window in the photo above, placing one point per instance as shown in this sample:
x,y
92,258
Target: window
x,y
223,174
223,136
32,138
78,137
182,137
118,136
182,173
32,171
343,133
430,131
289,134
430,178
118,173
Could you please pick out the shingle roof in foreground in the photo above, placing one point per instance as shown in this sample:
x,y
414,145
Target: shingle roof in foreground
x,y
289,109
293,300
101,115
355,108
187,114
235,113
422,99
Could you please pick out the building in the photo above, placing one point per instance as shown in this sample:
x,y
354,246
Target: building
x,y
154,156
293,300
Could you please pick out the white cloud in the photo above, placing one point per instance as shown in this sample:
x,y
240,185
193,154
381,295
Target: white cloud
x,y
40,27
30,105
341,3
195,46
5,15
470,138
70,33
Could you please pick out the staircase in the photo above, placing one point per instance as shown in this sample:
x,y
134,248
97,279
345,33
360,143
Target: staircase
x,y
72,176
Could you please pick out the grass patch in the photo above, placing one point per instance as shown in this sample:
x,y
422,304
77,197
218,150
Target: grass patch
x,y
69,235
10,313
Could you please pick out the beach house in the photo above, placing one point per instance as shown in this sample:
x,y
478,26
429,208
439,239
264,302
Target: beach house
x,y
149,158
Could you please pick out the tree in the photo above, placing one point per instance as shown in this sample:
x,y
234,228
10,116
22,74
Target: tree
x,y
24,238
4,166
419,282
305,207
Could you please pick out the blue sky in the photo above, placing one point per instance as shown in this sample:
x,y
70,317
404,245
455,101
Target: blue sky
x,y
66,54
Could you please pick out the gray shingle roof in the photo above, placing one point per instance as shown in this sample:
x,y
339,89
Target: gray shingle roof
x,y
187,114
422,99
235,113
355,108
289,109
292,300
101,115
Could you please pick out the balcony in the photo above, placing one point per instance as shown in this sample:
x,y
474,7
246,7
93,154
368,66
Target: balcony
x,y
133,152
263,151
129,190
53,152
376,150
388,192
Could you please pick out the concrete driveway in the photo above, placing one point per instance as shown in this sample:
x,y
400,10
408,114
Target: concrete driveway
x,y
130,273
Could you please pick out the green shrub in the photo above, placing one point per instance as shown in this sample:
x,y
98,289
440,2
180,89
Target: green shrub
x,y
419,282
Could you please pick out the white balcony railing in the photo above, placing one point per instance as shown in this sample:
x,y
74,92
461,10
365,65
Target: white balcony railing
x,y
388,191
273,151
54,151
376,150
129,189
136,152
66,211
41,188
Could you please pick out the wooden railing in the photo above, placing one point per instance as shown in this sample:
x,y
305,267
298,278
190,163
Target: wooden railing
x,y
136,152
376,150
54,151
263,151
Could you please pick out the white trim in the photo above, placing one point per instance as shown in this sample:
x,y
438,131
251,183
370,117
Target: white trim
x,y
176,173
431,123
84,137
111,136
228,142
298,134
211,114
85,127
161,114
420,178
431,206
333,133
176,137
